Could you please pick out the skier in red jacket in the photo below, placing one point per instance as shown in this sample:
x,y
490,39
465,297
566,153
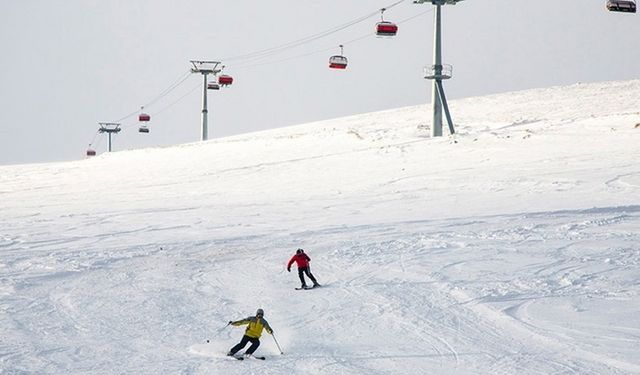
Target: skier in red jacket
x,y
302,260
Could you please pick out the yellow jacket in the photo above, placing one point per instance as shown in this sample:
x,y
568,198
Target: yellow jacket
x,y
254,326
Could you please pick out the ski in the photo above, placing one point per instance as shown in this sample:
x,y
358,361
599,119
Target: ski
x,y
309,287
242,358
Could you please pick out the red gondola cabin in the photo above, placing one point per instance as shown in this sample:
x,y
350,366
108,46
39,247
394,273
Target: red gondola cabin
x,y
338,62
91,152
144,117
225,80
386,28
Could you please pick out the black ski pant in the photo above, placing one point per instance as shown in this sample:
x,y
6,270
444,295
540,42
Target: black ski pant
x,y
245,340
306,270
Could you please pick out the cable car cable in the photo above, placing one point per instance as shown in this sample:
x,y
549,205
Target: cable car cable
x,y
308,39
179,99
162,94
368,35
94,138
171,88
296,43
165,107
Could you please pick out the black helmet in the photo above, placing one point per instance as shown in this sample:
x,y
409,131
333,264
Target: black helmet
x,y
260,312
299,251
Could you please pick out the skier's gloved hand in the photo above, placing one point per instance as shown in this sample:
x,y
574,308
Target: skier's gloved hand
x,y
230,322
270,331
289,269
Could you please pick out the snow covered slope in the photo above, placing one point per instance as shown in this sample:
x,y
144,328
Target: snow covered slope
x,y
511,247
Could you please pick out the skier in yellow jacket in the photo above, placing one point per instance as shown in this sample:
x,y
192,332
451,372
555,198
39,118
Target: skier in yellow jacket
x,y
255,325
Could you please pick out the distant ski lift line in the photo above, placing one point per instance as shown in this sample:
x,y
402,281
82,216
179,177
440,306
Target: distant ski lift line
x,y
184,77
267,51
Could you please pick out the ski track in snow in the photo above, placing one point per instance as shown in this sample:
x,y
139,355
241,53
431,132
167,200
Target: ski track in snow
x,y
412,280
509,248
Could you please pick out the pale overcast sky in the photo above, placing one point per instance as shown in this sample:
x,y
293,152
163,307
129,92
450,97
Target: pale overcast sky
x,y
68,64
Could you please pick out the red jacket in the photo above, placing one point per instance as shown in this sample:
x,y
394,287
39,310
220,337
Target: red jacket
x,y
302,260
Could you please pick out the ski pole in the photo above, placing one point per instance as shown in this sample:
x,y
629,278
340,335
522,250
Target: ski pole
x,y
278,345
219,331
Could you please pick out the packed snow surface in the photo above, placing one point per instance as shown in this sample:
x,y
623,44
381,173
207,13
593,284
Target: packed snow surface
x,y
509,248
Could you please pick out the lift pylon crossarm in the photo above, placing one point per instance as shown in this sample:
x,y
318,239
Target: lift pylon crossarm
x,y
109,128
437,2
206,67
